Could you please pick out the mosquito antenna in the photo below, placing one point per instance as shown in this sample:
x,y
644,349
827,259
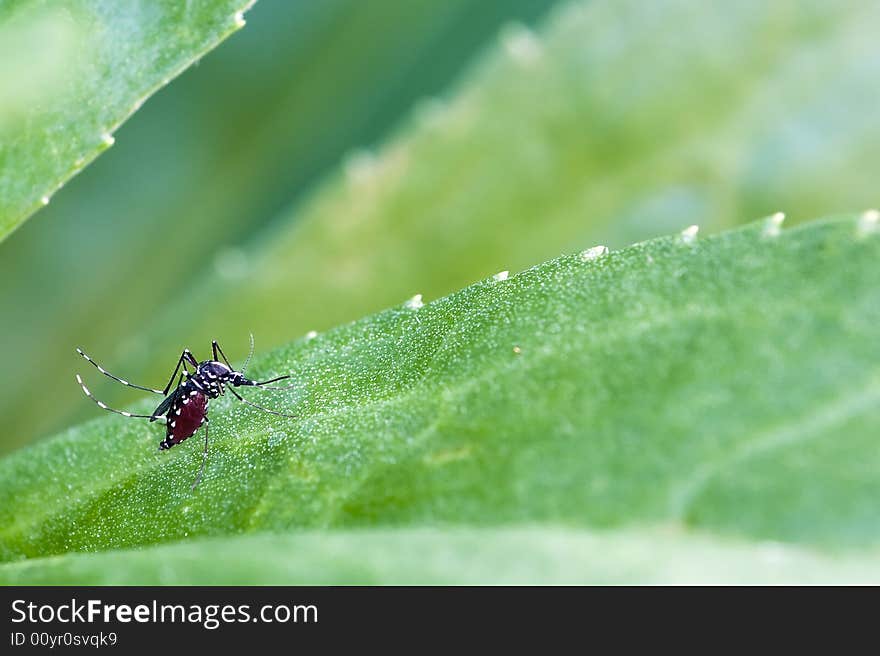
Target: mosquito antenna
x,y
248,361
272,412
204,460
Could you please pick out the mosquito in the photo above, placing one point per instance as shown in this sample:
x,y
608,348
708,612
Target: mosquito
x,y
185,407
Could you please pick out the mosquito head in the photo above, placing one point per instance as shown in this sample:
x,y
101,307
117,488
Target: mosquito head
x,y
238,379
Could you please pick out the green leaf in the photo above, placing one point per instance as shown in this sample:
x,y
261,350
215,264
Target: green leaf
x,y
281,96
728,385
71,72
452,555
709,114
564,137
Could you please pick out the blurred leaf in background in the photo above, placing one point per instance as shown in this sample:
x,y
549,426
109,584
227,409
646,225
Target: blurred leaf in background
x,y
35,49
205,165
613,122
72,71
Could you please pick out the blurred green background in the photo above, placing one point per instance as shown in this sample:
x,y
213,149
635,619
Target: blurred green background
x,y
208,163
335,158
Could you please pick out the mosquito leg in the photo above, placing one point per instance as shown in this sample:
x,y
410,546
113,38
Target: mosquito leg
x,y
176,369
204,459
216,349
117,378
185,357
245,401
104,406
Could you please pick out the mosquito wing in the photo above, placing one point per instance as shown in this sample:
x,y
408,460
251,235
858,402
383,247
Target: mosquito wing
x,y
165,405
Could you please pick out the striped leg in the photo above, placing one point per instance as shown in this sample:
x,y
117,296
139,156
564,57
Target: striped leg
x,y
104,406
117,378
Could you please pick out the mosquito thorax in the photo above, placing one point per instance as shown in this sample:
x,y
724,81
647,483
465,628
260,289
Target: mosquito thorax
x,y
214,370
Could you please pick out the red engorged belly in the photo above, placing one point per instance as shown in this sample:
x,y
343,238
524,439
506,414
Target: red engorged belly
x,y
190,418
